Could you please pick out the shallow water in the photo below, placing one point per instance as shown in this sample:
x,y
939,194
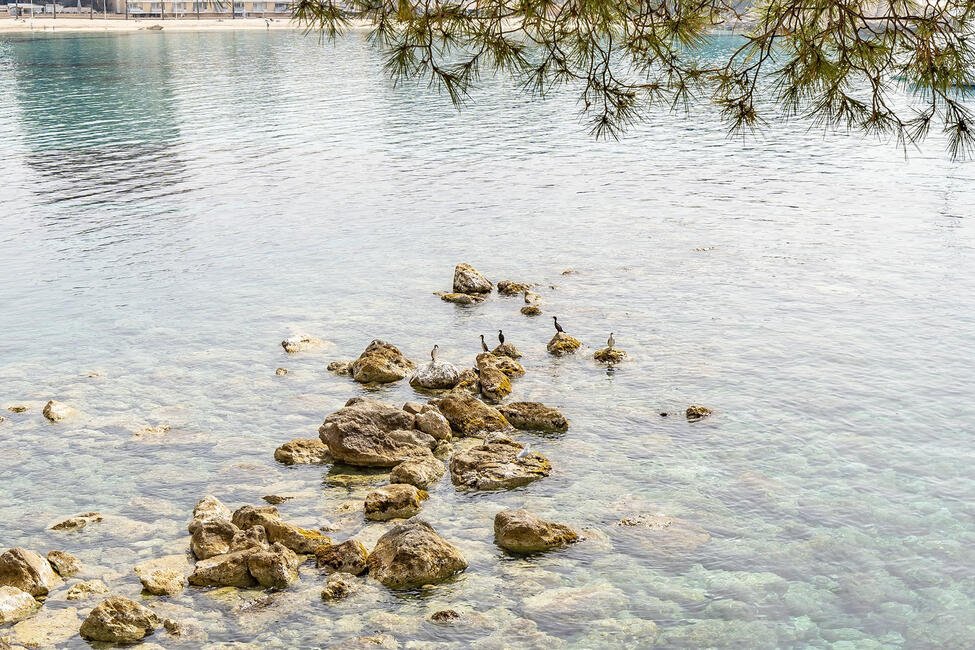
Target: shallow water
x,y
173,205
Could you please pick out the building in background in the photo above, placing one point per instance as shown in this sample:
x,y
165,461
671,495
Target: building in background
x,y
185,8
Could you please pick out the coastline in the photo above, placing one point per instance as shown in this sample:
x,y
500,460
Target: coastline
x,y
75,25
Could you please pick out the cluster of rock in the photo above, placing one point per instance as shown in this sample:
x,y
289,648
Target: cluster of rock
x,y
470,287
26,578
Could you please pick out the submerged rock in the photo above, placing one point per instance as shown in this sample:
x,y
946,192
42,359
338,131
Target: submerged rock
x,y
18,408
380,363
412,554
436,375
667,534
609,355
495,465
534,416
468,415
461,298
531,310
119,620
467,279
509,288
51,628
87,589
65,564
27,571
369,433
432,422
57,411
508,350
300,342
697,412
275,567
562,344
398,501
418,472
301,451
16,604
164,576
77,522
339,585
522,532
348,557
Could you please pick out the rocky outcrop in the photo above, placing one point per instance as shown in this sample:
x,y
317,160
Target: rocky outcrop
x,y
339,585
254,537
27,571
86,589
461,298
398,501
495,385
432,422
609,355
275,567
77,522
163,576
467,279
562,344
16,604
119,620
348,557
534,416
412,554
531,310
697,412
212,537
209,507
301,451
468,415
495,465
227,570
436,375
300,342
368,433
509,288
418,472
508,350
65,564
380,363
57,411
522,532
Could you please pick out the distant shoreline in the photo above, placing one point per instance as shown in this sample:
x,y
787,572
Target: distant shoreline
x,y
133,24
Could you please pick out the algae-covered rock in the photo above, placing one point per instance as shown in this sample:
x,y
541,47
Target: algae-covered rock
x,y
495,465
467,279
508,350
16,604
531,310
369,433
348,557
468,382
65,564
119,620
495,384
461,298
697,412
340,367
412,554
609,355
27,571
381,363
436,375
534,416
418,472
468,415
522,532
509,288
302,451
398,501
57,411
562,344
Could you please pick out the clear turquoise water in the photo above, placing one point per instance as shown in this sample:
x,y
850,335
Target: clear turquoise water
x,y
173,205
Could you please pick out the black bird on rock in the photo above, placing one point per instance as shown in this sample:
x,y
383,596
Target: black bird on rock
x,y
484,346
558,328
501,336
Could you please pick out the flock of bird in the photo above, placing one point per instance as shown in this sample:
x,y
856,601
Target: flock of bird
x,y
611,342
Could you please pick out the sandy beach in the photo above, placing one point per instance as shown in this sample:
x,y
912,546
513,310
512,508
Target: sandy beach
x,y
98,24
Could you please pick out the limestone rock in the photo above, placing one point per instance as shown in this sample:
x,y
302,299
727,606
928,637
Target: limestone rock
x,y
339,585
531,310
418,472
212,537
48,628
27,571
399,501
609,355
509,288
300,342
65,564
495,465
303,451
534,416
275,567
209,507
247,516
507,350
468,280
414,408
16,604
434,424
495,384
348,557
77,522
381,363
276,499
562,344
299,540
412,554
86,589
254,537
340,367
697,412
163,576
369,433
468,415
227,570
281,372
436,375
119,620
522,532
57,411
461,298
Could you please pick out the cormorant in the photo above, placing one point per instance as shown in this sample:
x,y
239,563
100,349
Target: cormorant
x,y
558,328
433,353
610,341
501,336
484,346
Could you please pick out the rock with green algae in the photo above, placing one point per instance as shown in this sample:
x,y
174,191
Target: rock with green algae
x,y
468,415
495,465
509,288
412,554
468,382
562,344
299,540
495,384
503,362
461,298
522,532
380,363
534,416
119,620
469,280
609,355
531,310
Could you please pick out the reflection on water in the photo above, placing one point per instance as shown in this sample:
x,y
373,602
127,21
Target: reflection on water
x,y
174,205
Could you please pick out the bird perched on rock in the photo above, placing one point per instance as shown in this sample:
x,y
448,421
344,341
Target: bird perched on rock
x,y
525,451
610,341
433,353
484,346
501,337
558,328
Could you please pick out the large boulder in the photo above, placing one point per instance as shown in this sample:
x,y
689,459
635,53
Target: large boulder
x,y
57,411
468,415
227,570
534,416
119,620
495,465
412,554
522,532
418,472
432,422
301,451
467,279
495,384
65,564
436,375
16,604
562,344
468,382
398,501
348,557
275,567
212,537
209,507
380,363
27,571
369,433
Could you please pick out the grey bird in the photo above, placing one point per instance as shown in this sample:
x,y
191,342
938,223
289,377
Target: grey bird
x,y
433,353
484,346
525,451
558,328
610,341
